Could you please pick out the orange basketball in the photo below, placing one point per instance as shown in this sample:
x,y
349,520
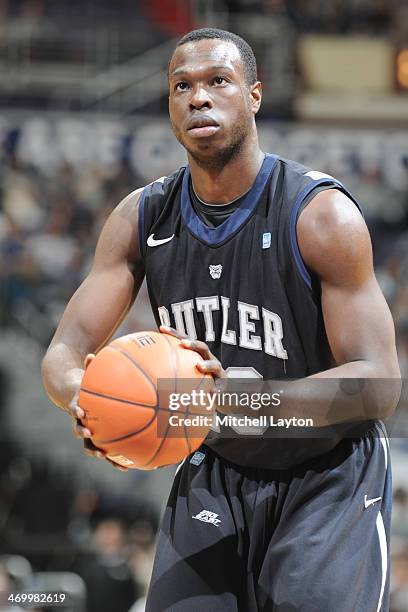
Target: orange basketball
x,y
129,395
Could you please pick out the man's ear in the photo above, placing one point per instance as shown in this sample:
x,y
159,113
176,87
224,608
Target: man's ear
x,y
256,96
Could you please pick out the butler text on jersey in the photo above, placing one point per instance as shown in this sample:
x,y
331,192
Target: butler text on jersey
x,y
245,336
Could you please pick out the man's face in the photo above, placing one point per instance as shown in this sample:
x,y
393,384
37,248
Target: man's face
x,y
211,106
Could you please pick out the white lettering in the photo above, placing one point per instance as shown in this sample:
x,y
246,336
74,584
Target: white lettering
x,y
273,331
183,312
207,305
164,316
228,336
271,342
246,326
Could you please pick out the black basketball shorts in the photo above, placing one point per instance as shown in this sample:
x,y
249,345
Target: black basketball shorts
x,y
312,539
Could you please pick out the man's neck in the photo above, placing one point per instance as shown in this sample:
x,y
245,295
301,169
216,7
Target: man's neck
x,y
222,185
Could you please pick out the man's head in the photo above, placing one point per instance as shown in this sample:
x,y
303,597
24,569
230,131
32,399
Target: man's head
x,y
246,54
214,95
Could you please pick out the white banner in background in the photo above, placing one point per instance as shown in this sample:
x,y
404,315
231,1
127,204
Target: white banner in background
x,y
148,144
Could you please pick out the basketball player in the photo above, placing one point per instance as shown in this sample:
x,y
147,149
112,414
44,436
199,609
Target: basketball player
x,y
266,267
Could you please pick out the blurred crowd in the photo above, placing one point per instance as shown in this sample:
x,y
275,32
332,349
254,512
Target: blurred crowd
x,y
51,523
399,548
308,15
393,278
48,230
104,34
328,17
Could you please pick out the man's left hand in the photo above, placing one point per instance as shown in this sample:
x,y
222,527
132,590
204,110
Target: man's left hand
x,y
210,365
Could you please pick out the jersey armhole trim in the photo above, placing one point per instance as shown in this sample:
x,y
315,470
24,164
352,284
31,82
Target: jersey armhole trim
x,y
300,264
141,222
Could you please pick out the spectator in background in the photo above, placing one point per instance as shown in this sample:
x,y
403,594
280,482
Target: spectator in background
x,y
17,274
339,16
399,581
6,587
400,512
48,227
106,572
54,249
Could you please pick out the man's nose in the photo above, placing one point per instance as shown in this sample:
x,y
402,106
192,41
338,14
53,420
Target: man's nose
x,y
200,98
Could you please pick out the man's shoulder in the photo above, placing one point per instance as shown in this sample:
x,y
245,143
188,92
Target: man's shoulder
x,y
162,185
297,182
295,169
291,165
151,197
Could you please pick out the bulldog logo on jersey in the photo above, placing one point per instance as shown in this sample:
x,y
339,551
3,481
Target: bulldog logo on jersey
x,y
215,271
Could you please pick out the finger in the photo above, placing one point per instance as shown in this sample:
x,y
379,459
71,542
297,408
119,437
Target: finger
x,y
165,329
97,454
212,367
91,450
80,431
88,359
200,347
76,412
74,408
121,468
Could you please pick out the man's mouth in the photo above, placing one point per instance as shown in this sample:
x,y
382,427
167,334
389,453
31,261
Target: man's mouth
x,y
202,127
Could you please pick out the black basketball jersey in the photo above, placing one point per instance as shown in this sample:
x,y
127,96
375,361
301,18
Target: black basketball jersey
x,y
241,287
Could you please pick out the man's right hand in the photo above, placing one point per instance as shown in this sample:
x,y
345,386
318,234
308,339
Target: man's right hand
x,y
76,412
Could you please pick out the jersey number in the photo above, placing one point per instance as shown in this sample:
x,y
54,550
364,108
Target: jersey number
x,y
243,372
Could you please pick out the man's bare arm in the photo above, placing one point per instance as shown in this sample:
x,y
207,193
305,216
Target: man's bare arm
x,y
335,245
99,304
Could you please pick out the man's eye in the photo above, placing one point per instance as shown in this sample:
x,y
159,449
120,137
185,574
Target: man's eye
x,y
219,80
182,86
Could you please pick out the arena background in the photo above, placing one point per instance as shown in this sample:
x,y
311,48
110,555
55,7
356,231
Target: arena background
x,y
83,121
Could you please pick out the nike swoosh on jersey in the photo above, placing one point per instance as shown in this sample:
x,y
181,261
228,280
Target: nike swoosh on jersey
x,y
370,502
151,242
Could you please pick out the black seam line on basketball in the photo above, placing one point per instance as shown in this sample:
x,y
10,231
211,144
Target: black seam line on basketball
x,y
115,399
118,399
128,435
186,437
158,449
141,370
174,364
176,369
174,361
188,413
132,433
